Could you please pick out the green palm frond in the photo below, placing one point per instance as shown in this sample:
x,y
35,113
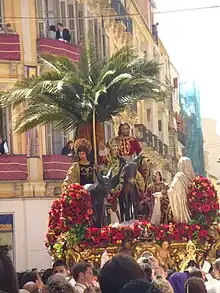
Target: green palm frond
x,y
68,94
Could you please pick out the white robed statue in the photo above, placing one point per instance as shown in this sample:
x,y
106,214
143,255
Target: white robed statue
x,y
179,189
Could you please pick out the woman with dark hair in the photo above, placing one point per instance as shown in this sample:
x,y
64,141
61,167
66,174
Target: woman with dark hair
x,y
8,276
68,149
195,285
159,207
81,171
117,272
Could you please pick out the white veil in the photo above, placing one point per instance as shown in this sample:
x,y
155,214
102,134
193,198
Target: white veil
x,y
179,189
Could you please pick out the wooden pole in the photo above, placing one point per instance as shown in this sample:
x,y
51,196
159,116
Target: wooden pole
x,y
94,136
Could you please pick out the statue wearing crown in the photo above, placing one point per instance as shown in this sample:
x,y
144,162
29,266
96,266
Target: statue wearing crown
x,y
82,170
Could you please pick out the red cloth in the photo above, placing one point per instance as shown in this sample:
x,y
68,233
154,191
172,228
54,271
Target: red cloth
x,y
59,48
9,47
128,146
13,167
56,166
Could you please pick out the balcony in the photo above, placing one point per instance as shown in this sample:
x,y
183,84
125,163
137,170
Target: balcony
x,y
10,47
59,48
13,168
151,141
55,167
121,11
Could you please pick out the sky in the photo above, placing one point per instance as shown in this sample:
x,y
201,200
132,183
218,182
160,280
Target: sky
x,y
192,40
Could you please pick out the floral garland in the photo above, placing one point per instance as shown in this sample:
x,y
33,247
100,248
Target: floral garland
x,y
70,222
69,216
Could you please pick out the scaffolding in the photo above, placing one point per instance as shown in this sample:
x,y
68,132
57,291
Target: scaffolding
x,y
190,112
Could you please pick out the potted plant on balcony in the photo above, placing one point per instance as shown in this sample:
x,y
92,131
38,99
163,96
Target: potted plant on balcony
x,y
71,95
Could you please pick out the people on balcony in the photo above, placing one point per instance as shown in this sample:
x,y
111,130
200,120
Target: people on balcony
x,y
68,149
62,34
3,147
155,32
9,29
52,32
1,30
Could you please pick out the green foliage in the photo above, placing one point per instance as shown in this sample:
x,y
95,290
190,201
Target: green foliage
x,y
68,93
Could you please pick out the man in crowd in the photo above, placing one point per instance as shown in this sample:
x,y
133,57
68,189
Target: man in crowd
x,y
83,275
60,267
62,33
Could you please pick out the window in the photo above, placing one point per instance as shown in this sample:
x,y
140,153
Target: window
x,y
80,26
49,143
63,12
40,15
159,125
71,15
148,115
1,12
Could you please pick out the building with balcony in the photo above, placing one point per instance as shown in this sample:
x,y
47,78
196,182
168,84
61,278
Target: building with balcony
x,y
31,176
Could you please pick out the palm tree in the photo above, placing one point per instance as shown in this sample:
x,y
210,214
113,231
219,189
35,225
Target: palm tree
x,y
70,95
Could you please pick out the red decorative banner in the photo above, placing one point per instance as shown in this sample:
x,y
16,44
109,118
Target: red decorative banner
x,y
59,48
13,168
56,166
10,47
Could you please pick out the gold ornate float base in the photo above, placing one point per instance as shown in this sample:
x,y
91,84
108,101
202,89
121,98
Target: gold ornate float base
x,y
181,253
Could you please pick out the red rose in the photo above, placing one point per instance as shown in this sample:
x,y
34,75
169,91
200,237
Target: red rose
x,y
203,233
206,208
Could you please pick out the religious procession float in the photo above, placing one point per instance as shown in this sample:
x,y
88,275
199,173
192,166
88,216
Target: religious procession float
x,y
111,207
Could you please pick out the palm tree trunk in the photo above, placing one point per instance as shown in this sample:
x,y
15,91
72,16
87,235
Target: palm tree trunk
x,y
94,136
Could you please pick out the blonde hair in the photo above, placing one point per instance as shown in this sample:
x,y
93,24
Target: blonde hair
x,y
163,285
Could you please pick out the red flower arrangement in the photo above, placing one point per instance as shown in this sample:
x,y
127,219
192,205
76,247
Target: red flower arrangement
x,y
203,202
71,214
70,219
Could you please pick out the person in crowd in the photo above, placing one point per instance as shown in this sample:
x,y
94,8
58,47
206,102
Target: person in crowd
x,y
8,276
29,277
83,275
19,278
162,284
216,267
31,287
146,267
68,149
177,281
58,284
213,283
32,277
195,285
60,267
62,33
46,275
117,272
3,147
194,272
139,286
52,32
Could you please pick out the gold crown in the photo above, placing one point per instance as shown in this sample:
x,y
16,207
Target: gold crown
x,y
82,142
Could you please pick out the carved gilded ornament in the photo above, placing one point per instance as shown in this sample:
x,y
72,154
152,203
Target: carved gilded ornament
x,y
181,253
